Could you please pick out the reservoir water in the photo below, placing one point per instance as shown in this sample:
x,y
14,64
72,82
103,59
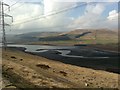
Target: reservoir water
x,y
81,52
75,55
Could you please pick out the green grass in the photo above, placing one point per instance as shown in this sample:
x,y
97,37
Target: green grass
x,y
98,40
67,42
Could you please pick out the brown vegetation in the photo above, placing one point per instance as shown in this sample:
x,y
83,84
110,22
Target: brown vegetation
x,y
29,73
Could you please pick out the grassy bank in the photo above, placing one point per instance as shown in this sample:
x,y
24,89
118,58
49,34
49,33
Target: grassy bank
x,y
37,71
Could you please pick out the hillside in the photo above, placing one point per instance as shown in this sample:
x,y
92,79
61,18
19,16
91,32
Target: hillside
x,y
101,36
42,72
29,37
55,38
78,36
86,36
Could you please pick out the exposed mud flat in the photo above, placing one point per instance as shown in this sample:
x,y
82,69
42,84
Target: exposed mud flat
x,y
39,72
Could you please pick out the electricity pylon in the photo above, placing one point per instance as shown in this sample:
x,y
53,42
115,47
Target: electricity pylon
x,y
3,24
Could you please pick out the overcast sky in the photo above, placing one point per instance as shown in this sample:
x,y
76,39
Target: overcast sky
x,y
58,15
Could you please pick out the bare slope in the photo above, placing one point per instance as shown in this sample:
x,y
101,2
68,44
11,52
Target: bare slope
x,y
25,70
100,35
87,36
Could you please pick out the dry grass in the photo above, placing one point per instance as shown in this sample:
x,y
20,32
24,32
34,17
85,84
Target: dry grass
x,y
59,74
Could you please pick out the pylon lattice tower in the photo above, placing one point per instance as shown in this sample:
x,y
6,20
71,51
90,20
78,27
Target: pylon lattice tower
x,y
3,24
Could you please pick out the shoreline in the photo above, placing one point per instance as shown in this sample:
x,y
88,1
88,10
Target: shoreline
x,y
21,63
107,47
105,64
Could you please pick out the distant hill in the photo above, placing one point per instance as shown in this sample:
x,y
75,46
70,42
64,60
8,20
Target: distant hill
x,y
38,34
78,31
29,37
55,38
100,34
85,35
92,32
89,36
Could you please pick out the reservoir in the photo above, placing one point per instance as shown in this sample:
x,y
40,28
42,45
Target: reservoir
x,y
75,55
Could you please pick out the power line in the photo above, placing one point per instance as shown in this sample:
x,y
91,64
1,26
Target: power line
x,y
22,3
57,26
14,4
45,27
16,7
54,13
43,16
49,15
